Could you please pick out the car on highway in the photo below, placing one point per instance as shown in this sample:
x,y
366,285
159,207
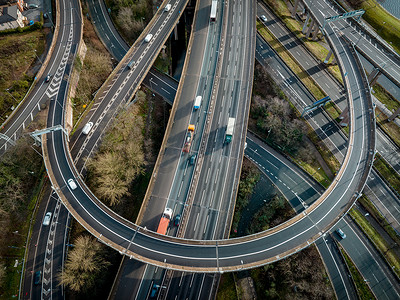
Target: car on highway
x,y
341,233
154,290
192,159
72,184
38,277
167,7
148,38
47,79
32,6
263,18
177,220
86,129
47,219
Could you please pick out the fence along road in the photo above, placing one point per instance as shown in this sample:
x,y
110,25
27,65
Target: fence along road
x,y
241,253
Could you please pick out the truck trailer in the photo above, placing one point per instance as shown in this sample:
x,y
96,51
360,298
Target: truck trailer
x,y
197,103
229,130
213,13
164,222
189,138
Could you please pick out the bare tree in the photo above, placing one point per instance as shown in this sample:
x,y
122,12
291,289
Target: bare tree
x,y
83,265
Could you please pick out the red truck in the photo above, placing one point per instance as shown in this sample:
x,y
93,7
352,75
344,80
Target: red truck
x,y
189,138
164,222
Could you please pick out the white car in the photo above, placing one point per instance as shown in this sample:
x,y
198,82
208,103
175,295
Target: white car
x,y
87,127
72,184
148,38
47,219
341,233
264,18
167,7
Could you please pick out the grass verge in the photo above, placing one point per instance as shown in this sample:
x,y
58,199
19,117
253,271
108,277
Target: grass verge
x,y
363,290
386,98
320,52
227,289
380,244
292,64
310,84
18,54
387,172
391,129
387,26
372,210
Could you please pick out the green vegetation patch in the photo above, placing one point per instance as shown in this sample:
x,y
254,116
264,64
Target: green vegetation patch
x,y
367,204
17,55
280,8
292,63
387,172
391,129
130,16
84,266
379,243
301,275
227,288
122,146
248,179
363,290
21,180
387,26
277,122
385,97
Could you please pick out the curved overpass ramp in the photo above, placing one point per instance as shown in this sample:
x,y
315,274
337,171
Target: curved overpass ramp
x,y
233,254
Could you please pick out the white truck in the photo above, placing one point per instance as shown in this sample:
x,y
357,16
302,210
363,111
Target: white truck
x,y
197,103
229,130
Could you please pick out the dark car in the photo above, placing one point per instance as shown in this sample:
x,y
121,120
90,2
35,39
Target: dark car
x,y
48,77
38,277
177,220
154,290
192,159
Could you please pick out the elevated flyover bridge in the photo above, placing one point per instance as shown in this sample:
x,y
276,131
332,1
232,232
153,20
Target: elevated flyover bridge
x,y
241,253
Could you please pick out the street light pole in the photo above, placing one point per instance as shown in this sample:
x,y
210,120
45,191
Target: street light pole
x,y
51,19
12,97
151,87
38,57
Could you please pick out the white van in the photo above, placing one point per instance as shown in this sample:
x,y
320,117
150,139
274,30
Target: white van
x,y
167,7
72,184
148,38
87,127
197,102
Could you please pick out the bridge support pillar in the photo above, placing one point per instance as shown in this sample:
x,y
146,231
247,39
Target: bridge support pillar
x,y
394,115
344,117
373,76
176,32
306,23
328,57
296,4
310,28
316,30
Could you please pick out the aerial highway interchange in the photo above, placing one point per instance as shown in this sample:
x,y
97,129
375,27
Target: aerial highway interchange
x,y
235,254
127,237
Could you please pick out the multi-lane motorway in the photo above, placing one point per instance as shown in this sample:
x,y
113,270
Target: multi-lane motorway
x,y
225,255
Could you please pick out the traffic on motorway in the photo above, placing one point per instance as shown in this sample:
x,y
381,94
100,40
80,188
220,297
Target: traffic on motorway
x,y
356,168
136,241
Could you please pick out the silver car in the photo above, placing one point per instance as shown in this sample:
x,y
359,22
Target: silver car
x,y
47,219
